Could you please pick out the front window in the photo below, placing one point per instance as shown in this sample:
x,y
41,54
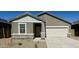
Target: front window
x,y
22,28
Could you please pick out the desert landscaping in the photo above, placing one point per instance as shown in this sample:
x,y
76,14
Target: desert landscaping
x,y
50,42
22,43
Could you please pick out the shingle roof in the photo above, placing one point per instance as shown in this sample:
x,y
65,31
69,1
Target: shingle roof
x,y
23,15
48,13
75,22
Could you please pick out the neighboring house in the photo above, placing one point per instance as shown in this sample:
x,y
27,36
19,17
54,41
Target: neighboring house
x,y
27,26
4,29
44,25
75,26
55,26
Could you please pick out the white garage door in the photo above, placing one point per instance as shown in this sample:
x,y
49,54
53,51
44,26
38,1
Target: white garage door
x,y
57,31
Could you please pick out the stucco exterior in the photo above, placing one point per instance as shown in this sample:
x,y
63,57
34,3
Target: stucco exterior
x,y
56,25
72,31
29,22
30,28
52,21
52,25
14,28
57,32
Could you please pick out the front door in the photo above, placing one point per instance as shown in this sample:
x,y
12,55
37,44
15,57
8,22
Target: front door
x,y
37,30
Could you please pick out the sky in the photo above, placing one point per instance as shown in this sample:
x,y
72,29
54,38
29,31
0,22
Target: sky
x,y
70,16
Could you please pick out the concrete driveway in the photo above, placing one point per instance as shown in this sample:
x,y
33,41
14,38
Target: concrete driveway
x,y
61,42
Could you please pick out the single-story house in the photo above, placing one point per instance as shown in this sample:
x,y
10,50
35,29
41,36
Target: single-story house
x,y
4,29
27,26
43,25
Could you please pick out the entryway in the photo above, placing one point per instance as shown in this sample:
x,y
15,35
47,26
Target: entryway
x,y
37,29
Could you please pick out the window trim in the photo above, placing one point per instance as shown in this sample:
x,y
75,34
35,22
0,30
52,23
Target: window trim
x,y
25,28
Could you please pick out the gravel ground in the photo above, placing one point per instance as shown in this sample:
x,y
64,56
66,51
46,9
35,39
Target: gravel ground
x,y
49,42
9,43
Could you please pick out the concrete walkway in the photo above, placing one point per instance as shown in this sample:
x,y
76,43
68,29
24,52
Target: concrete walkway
x,y
61,42
39,43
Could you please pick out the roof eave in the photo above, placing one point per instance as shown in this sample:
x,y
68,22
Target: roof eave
x,y
42,13
23,15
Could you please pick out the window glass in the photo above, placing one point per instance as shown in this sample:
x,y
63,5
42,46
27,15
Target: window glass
x,y
22,28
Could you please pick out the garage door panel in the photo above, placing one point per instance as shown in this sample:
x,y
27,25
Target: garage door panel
x,y
57,32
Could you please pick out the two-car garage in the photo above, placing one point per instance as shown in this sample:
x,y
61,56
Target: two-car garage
x,y
55,26
57,31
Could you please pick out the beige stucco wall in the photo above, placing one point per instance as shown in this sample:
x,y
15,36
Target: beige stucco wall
x,y
51,21
14,28
71,32
29,31
29,27
29,20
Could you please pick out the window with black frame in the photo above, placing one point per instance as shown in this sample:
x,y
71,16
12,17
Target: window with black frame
x,y
22,28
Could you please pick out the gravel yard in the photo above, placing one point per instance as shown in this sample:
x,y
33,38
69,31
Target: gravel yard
x,y
22,43
49,42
